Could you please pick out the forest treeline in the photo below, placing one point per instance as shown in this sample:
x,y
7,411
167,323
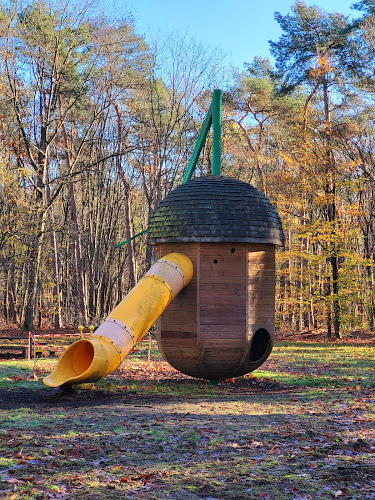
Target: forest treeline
x,y
97,126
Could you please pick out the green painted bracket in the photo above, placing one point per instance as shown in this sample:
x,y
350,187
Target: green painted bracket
x,y
213,118
132,238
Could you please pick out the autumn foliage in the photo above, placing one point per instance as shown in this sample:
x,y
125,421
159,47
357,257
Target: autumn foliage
x,y
97,127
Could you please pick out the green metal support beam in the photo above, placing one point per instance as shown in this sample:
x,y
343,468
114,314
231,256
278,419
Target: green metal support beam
x,y
199,145
213,118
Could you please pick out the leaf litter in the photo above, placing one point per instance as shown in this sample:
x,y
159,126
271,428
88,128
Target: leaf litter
x,y
149,432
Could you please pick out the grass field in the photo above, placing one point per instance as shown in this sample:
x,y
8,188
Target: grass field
x,y
302,427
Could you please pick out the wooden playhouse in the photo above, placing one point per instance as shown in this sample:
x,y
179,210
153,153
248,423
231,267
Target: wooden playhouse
x,y
222,324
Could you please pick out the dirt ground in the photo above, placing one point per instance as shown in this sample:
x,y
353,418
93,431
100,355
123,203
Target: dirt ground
x,y
258,441
50,398
148,432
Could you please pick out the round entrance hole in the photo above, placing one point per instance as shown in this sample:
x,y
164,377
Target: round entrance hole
x,y
260,345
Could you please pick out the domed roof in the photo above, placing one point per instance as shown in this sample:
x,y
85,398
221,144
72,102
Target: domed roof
x,y
215,209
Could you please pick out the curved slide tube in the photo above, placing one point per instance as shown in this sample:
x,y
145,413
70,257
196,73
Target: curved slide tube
x,y
88,360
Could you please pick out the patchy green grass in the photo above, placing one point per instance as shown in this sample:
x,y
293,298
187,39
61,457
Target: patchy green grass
x,y
321,365
18,374
301,428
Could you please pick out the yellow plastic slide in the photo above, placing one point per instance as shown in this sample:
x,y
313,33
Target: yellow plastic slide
x,y
88,360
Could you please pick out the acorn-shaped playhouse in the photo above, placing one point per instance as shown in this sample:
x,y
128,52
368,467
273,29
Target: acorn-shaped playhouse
x,y
212,291
222,324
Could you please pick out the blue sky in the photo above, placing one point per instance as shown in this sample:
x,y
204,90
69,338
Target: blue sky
x,y
241,28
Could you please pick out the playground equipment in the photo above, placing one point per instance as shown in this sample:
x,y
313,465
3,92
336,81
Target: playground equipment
x,y
88,360
222,324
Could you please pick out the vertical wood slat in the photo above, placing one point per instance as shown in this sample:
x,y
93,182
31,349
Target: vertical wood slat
x,y
221,286
177,334
260,288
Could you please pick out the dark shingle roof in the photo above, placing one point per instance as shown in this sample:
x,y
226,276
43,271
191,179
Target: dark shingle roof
x,y
215,209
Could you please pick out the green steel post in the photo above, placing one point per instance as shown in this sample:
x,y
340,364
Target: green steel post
x,y
216,126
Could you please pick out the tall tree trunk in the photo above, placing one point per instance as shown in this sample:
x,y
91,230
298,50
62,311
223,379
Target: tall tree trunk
x,y
35,251
56,292
328,307
77,247
35,254
330,193
56,295
10,311
125,183
369,273
78,258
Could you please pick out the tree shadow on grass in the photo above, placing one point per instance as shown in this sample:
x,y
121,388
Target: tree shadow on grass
x,y
148,392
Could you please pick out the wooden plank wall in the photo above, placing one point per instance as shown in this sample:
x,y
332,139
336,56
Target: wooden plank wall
x,y
222,289
177,328
206,330
261,288
222,305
